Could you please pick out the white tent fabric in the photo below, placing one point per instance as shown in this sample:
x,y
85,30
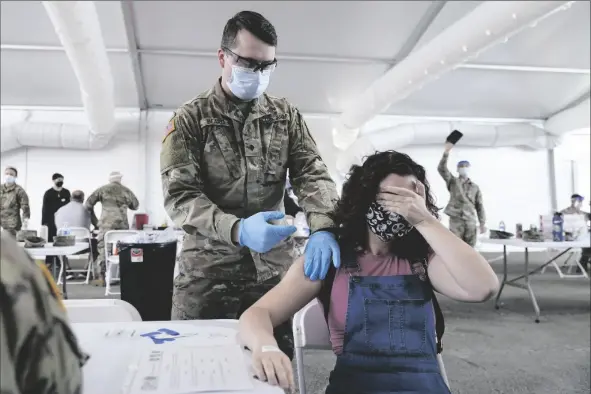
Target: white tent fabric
x,y
156,55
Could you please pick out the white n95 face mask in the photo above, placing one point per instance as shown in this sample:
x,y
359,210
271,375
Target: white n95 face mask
x,y
9,179
247,84
463,171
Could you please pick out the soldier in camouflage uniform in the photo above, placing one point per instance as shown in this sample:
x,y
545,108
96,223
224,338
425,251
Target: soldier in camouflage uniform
x,y
115,200
465,208
13,199
38,351
575,208
223,162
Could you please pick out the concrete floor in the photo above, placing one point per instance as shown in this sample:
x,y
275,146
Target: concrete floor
x,y
505,351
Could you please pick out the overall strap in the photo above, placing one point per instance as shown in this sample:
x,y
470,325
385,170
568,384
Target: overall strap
x,y
439,321
348,260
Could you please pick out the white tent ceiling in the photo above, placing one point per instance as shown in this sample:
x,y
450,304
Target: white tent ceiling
x,y
329,53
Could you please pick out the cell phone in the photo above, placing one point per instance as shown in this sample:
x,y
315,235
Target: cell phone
x,y
454,137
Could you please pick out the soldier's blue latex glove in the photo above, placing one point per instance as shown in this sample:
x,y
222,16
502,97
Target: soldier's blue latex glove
x,y
257,234
322,250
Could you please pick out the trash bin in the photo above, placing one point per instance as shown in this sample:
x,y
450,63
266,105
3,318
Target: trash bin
x,y
146,271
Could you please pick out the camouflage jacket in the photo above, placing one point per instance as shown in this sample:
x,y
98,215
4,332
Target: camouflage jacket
x,y
13,198
38,350
219,165
115,200
465,198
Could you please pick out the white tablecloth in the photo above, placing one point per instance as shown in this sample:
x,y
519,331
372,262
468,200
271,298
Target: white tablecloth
x,y
546,244
110,357
50,250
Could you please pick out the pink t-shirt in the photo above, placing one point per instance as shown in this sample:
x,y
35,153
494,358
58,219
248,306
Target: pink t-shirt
x,y
370,265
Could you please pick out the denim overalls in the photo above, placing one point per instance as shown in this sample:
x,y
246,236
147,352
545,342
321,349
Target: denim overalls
x,y
389,344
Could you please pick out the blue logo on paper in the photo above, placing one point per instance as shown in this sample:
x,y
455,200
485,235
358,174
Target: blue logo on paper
x,y
162,335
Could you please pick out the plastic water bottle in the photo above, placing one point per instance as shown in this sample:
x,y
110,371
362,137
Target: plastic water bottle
x,y
557,227
502,226
65,230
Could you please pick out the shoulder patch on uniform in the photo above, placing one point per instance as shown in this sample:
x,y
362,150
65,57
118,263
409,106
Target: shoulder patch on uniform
x,y
170,127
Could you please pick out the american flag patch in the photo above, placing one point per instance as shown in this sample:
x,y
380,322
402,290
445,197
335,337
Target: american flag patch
x,y
170,127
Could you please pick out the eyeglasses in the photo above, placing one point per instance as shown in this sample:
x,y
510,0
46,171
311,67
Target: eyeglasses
x,y
252,64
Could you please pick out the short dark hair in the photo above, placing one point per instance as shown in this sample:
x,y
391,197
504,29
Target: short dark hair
x,y
13,169
78,195
576,196
255,23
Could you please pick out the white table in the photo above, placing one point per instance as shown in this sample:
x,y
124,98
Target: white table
x,y
563,246
60,252
110,357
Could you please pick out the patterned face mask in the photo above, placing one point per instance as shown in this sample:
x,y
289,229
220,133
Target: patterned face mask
x,y
386,225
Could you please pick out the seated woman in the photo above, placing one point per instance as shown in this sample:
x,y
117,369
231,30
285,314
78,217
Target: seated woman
x,y
379,303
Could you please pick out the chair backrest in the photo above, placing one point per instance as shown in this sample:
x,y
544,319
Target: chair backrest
x,y
113,236
100,310
309,327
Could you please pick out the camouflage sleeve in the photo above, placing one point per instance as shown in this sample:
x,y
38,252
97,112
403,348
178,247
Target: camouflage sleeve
x,y
182,185
479,205
309,176
443,170
93,199
133,203
40,353
24,203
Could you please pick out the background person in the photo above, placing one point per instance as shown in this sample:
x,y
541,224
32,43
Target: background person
x,y
379,304
465,208
53,199
576,205
223,164
13,199
74,214
115,199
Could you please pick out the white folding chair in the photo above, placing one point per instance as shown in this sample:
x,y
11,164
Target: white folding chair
x,y
100,310
81,234
310,331
112,237
572,260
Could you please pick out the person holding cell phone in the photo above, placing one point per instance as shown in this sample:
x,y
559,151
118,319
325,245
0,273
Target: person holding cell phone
x,y
466,207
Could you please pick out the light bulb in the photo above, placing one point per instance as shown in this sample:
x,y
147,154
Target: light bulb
x,y
464,48
409,82
426,72
505,40
487,32
514,16
442,61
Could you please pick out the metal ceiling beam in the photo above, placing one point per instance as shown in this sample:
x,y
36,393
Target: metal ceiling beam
x,y
419,30
572,104
49,48
501,67
129,20
308,58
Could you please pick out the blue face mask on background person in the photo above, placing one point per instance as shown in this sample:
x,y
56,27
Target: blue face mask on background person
x,y
10,179
247,84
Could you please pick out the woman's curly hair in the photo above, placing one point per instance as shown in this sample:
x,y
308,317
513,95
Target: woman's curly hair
x,y
360,189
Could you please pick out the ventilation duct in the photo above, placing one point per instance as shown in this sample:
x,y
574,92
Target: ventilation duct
x,y
490,23
571,119
22,128
475,135
78,28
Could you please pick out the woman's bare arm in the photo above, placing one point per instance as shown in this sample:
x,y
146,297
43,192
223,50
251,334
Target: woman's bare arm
x,y
457,270
282,302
